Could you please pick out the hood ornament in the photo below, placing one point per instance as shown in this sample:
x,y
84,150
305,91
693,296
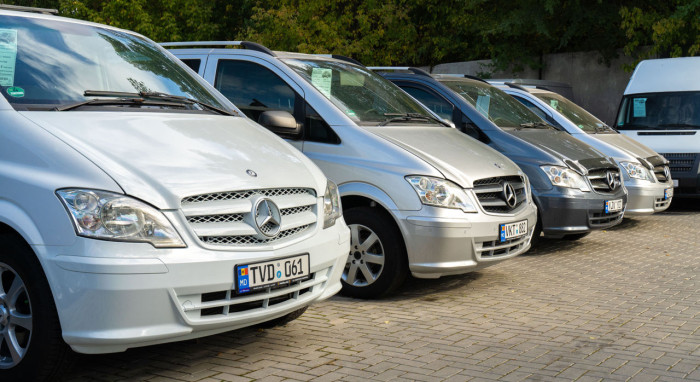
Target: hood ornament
x,y
267,218
251,173
509,195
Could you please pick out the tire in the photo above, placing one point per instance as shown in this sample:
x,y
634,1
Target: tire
x,y
576,236
284,320
42,355
377,268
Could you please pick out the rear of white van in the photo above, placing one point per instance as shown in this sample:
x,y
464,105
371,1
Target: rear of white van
x,y
661,109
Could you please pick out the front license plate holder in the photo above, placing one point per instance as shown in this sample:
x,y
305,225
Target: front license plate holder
x,y
512,230
613,206
275,273
668,193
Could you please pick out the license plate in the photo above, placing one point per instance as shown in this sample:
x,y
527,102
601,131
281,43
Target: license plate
x,y
668,193
613,205
512,230
675,183
274,273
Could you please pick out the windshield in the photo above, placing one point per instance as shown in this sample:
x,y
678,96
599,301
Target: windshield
x,y
364,96
500,108
660,111
44,63
573,112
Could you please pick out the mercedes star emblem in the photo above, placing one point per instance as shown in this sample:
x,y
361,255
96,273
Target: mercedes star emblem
x,y
251,173
612,181
509,195
267,218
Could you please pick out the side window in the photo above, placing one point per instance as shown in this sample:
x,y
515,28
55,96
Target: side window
x,y
317,130
193,63
253,88
435,103
532,107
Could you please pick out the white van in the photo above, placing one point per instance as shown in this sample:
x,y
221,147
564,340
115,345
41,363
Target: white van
x,y
136,208
661,109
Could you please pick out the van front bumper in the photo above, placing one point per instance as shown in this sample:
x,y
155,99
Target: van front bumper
x,y
646,198
112,296
443,242
565,211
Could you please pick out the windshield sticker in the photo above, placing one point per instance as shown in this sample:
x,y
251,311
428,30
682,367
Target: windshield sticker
x,y
8,56
350,113
15,92
482,104
639,107
554,103
321,79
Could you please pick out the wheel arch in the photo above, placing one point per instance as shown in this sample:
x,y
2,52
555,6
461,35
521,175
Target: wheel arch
x,y
15,220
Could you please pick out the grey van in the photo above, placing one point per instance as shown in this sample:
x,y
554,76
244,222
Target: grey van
x,y
418,195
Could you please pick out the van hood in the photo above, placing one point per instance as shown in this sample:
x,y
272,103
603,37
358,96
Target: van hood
x,y
558,143
625,143
457,156
163,157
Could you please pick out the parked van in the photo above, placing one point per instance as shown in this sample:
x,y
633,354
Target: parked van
x,y
138,206
418,195
576,188
646,174
661,109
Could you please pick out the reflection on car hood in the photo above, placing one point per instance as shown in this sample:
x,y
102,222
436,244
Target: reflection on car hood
x,y
558,143
161,158
457,156
627,144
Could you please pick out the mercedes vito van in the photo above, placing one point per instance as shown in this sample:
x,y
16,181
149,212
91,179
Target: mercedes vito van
x,y
137,205
418,195
576,188
661,109
646,174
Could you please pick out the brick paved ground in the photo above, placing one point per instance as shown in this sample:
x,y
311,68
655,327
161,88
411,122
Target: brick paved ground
x,y
616,305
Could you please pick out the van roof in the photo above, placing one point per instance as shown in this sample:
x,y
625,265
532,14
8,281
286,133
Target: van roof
x,y
665,75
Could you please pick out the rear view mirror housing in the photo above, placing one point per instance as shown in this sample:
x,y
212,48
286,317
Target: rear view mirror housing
x,y
281,123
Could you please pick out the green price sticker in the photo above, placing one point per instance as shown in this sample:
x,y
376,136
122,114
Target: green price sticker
x,y
16,92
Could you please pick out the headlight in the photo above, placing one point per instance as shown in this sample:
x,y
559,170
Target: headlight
x,y
635,170
332,210
565,177
110,216
441,193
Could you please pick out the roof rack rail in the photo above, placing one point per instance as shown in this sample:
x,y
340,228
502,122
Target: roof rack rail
x,y
46,11
411,69
245,44
475,78
514,86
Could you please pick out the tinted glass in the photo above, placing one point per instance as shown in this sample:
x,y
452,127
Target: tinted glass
x,y
193,63
437,104
45,62
662,111
500,108
573,112
253,88
361,94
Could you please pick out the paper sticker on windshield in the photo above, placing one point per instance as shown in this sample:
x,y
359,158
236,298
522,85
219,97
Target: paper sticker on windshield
x,y
639,107
482,104
8,56
554,103
321,79
15,92
350,113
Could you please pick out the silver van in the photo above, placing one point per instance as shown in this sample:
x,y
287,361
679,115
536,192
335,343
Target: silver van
x,y
418,195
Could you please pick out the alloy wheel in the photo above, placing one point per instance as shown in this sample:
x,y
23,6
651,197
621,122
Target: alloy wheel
x,y
366,259
15,318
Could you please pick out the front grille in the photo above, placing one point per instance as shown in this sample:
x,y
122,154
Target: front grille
x,y
599,179
225,303
493,249
226,218
491,196
660,173
681,162
602,220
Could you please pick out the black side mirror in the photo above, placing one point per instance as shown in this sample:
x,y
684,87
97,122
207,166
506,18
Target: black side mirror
x,y
281,123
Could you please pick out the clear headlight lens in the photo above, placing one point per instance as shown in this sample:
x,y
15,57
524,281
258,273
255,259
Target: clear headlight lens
x,y
441,193
332,210
110,216
565,177
635,170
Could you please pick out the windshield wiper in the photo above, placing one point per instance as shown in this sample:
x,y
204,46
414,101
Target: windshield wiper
x,y
401,117
141,98
534,125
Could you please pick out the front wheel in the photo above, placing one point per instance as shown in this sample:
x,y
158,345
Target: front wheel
x,y
31,347
376,265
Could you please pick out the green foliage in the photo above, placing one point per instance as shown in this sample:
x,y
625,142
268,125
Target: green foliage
x,y
662,29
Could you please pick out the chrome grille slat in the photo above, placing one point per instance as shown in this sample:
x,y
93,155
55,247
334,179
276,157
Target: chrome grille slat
x,y
488,192
599,181
225,218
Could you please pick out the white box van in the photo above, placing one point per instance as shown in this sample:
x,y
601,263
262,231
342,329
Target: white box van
x,y
661,109
135,209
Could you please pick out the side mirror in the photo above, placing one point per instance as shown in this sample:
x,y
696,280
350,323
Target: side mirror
x,y
281,123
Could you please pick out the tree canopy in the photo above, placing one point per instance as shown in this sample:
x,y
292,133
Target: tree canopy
x,y
515,34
